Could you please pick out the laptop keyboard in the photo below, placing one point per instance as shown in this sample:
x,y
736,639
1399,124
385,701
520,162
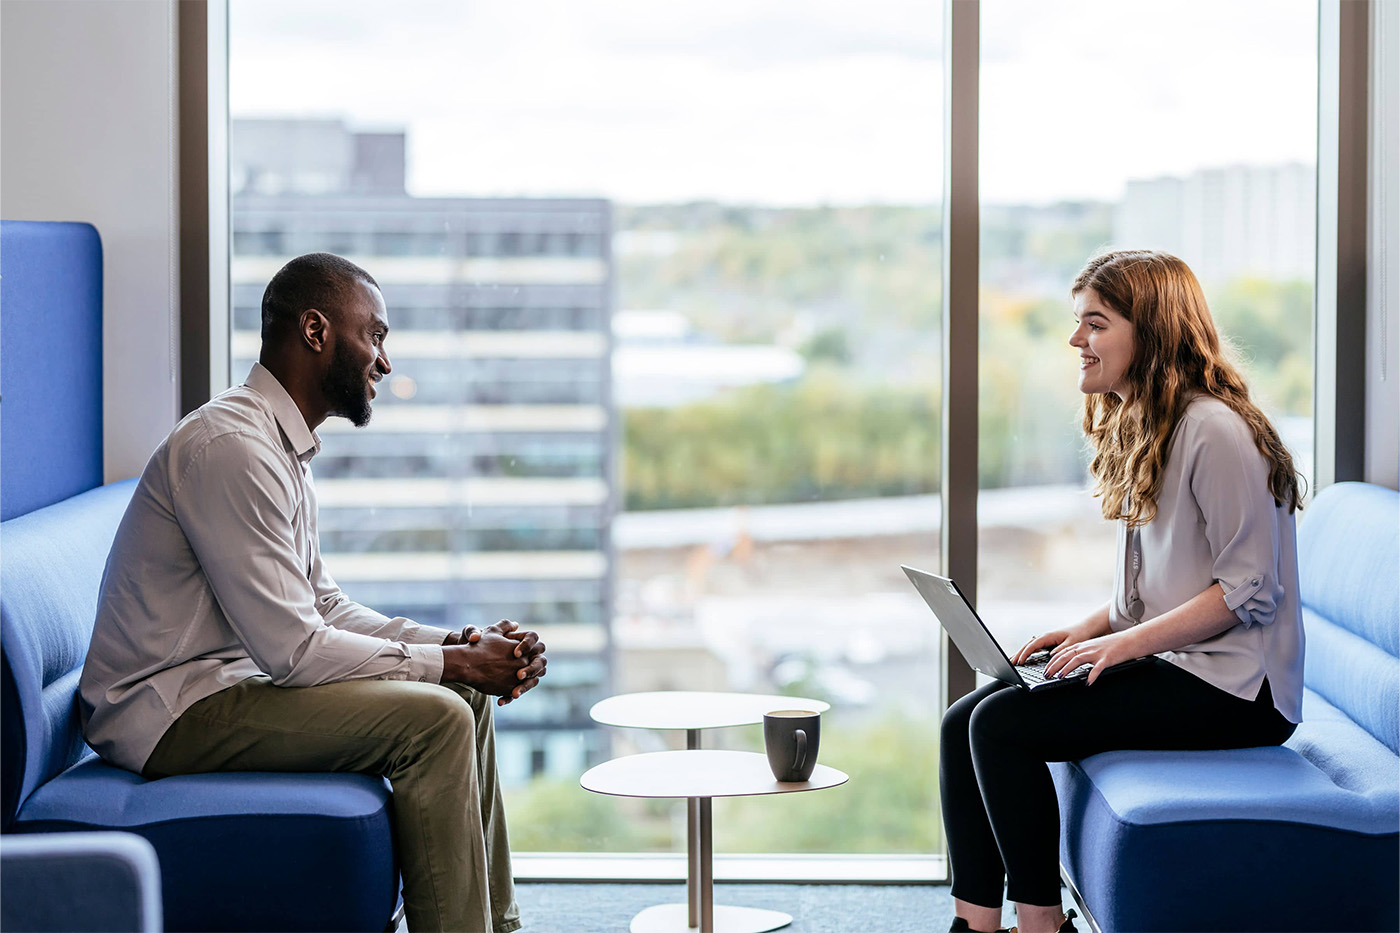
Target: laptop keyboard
x,y
1033,672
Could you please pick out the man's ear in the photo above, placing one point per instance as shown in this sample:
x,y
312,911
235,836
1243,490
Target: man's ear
x,y
315,329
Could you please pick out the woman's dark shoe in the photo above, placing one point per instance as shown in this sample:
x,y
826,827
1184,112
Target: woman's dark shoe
x,y
960,926
1065,927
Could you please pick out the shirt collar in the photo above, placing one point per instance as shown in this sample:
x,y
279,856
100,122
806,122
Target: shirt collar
x,y
305,442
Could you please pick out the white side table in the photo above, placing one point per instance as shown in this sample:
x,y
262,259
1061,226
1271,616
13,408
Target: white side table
x,y
694,711
701,775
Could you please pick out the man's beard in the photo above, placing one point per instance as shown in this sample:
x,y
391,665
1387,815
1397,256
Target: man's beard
x,y
346,387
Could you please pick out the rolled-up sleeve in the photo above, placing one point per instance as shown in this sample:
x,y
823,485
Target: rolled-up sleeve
x,y
237,503
1230,482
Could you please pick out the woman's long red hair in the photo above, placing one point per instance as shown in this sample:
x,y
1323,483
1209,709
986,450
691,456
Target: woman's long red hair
x,y
1177,354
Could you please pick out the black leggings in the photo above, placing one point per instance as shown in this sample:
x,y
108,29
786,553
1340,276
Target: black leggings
x,y
999,805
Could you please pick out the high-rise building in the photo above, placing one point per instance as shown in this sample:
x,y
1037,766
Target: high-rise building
x,y
483,488
1242,220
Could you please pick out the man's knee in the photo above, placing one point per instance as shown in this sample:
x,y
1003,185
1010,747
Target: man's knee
x,y
482,704
438,711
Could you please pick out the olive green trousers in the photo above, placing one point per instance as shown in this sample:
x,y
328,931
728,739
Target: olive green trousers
x,y
434,742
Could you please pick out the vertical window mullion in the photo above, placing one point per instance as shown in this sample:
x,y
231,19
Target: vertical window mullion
x,y
1339,409
958,523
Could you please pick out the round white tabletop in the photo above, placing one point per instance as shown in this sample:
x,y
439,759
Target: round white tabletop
x,y
686,709
698,773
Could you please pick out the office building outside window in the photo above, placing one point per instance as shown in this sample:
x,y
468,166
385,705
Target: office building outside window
x,y
482,490
666,354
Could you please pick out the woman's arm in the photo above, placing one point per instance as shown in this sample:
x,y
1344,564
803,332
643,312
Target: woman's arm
x,y
1200,617
1203,616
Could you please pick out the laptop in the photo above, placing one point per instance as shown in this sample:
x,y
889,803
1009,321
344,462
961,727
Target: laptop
x,y
978,646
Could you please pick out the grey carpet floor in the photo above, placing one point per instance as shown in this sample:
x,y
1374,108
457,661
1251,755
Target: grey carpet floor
x,y
825,908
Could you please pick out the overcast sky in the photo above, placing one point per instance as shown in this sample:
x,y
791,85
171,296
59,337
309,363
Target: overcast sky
x,y
786,101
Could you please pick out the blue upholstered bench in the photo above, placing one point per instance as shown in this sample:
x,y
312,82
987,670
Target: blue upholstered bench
x,y
250,851
237,851
1301,837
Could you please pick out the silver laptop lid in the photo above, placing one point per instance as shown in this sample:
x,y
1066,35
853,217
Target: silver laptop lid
x,y
963,626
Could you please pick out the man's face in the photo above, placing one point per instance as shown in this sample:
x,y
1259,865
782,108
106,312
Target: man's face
x,y
358,360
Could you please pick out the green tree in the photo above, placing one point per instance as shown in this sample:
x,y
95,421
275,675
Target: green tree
x,y
549,815
829,345
824,437
1270,327
889,805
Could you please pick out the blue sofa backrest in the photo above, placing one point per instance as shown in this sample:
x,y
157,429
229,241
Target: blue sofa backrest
x,y
1349,555
54,547
49,581
51,383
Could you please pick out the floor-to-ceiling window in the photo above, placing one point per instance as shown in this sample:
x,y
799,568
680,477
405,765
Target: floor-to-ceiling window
x,y
1189,128
664,288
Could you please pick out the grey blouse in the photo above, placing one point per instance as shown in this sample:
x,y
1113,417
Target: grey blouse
x,y
1217,522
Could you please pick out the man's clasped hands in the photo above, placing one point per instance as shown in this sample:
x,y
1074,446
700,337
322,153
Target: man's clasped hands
x,y
500,660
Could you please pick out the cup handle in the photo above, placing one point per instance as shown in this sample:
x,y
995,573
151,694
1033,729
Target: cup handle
x,y
800,758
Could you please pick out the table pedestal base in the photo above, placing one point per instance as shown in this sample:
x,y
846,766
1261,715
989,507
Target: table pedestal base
x,y
673,918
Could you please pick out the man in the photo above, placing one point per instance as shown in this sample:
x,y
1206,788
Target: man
x,y
222,644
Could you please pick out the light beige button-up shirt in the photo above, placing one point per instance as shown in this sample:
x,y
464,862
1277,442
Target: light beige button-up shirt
x,y
215,576
1217,523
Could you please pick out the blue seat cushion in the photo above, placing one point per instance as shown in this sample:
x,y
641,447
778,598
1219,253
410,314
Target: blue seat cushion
x,y
309,851
1160,840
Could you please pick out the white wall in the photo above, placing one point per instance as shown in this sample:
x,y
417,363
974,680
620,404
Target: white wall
x,y
87,132
1383,252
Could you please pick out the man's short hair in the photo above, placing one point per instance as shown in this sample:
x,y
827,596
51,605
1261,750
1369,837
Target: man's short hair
x,y
316,280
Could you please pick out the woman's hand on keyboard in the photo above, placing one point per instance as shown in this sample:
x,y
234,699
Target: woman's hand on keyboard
x,y
1092,627
1049,640
1102,652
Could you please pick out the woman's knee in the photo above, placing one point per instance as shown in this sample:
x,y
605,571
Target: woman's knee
x,y
998,716
957,720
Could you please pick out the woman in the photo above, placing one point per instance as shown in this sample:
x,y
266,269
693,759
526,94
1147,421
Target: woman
x,y
1204,493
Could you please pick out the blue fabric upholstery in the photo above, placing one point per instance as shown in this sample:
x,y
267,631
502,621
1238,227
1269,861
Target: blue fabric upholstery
x,y
79,881
51,383
53,562
1349,545
237,851
1302,837
308,851
1210,873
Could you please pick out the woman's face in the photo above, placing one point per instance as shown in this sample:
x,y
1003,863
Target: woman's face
x,y
1104,339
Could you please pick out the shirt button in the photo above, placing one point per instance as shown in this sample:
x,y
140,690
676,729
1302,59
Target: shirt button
x,y
422,679
1254,581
